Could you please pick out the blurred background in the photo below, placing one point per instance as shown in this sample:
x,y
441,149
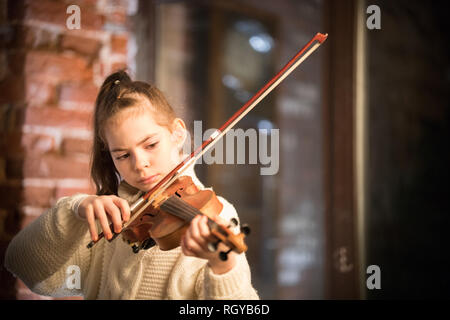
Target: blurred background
x,y
362,123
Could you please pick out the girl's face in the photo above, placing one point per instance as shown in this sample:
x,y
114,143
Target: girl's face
x,y
143,151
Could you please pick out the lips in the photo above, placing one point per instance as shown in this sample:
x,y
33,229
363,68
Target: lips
x,y
149,179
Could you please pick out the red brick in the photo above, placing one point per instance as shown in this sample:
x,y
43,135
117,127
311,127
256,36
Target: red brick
x,y
39,92
82,45
117,17
84,93
27,37
37,143
19,37
55,12
27,219
57,67
71,146
55,166
119,66
46,11
16,143
63,192
119,43
38,196
52,116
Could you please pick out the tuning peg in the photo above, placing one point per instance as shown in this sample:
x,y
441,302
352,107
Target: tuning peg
x,y
135,248
223,255
212,246
245,229
148,243
234,223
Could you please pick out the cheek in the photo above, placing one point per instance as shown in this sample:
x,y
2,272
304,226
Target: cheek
x,y
171,156
121,167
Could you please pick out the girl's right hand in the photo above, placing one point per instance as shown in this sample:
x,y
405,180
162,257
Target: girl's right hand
x,y
104,209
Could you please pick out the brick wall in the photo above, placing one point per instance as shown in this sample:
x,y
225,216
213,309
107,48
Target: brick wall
x,y
49,77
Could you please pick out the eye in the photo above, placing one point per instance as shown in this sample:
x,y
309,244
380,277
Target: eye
x,y
122,157
152,145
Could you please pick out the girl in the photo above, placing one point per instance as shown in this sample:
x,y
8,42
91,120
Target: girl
x,y
135,135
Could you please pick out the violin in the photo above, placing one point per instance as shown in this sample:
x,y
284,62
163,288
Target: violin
x,y
165,221
166,210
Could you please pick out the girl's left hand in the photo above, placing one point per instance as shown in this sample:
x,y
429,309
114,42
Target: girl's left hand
x,y
195,243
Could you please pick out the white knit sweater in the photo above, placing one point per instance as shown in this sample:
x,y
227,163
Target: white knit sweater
x,y
41,254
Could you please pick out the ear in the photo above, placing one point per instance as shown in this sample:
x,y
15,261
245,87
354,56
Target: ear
x,y
179,131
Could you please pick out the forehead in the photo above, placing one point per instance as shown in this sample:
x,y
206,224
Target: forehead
x,y
129,126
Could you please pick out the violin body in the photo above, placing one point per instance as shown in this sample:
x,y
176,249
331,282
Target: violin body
x,y
165,228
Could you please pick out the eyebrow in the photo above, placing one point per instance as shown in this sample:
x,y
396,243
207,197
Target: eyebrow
x,y
140,142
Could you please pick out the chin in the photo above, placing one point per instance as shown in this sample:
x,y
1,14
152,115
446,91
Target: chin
x,y
147,187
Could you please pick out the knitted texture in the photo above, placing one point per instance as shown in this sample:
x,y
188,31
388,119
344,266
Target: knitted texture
x,y
158,266
43,252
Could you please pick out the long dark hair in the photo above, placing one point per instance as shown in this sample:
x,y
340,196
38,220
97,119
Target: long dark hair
x,y
118,92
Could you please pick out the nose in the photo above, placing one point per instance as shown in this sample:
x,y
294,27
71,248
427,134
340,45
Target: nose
x,y
141,162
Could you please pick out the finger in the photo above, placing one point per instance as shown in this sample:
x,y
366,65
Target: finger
x,y
115,216
91,222
185,249
124,208
221,221
190,242
194,229
201,232
204,230
102,218
204,233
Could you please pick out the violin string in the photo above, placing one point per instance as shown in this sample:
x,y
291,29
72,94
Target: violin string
x,y
180,212
180,208
183,210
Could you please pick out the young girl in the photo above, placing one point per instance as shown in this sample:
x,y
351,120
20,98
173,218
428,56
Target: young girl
x,y
135,135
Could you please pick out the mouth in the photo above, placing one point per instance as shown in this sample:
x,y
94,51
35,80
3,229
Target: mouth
x,y
149,179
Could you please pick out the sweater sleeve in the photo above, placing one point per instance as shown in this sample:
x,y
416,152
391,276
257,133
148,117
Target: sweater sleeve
x,y
232,285
50,254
